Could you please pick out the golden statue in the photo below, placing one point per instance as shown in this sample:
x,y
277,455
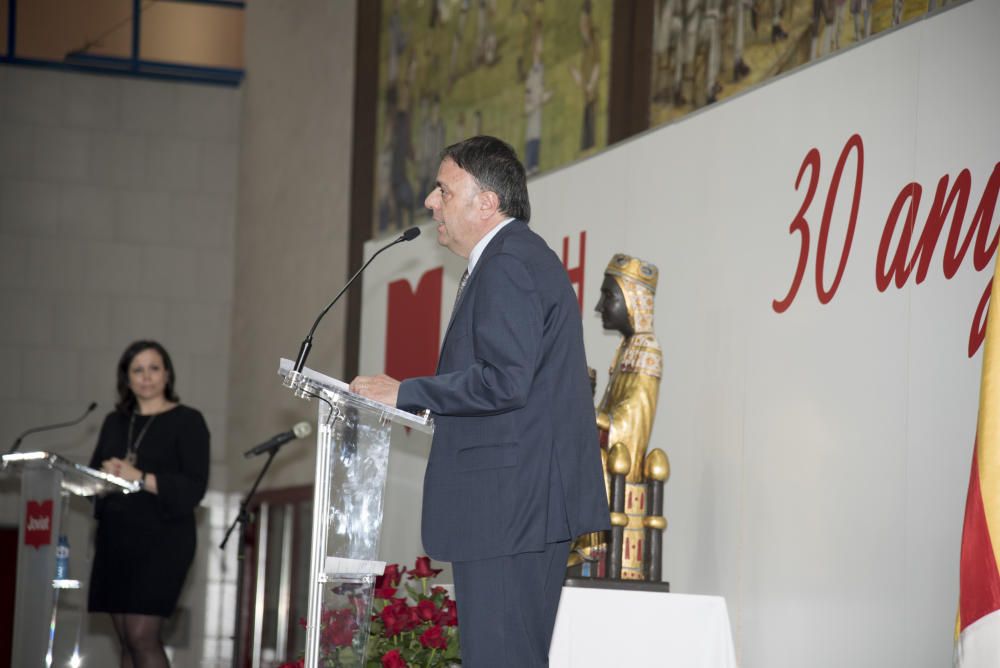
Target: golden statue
x,y
626,411
628,407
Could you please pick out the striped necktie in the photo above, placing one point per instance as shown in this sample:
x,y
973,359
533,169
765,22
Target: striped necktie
x,y
461,286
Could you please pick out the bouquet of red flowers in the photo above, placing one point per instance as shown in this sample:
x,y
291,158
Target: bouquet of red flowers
x,y
418,629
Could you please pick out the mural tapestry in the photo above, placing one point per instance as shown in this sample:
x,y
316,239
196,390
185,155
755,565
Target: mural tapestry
x,y
532,72
707,50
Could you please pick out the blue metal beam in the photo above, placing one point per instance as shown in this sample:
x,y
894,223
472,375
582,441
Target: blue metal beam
x,y
145,69
133,64
234,4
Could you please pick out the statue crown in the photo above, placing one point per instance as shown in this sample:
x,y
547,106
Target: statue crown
x,y
634,269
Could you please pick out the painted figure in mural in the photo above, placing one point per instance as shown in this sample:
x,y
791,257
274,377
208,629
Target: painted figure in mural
x,y
711,36
626,411
432,140
400,114
741,10
701,28
826,19
588,75
777,31
668,33
532,13
861,11
535,97
396,44
383,167
486,37
457,36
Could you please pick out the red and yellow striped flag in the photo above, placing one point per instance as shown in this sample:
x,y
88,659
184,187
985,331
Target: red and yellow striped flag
x,y
977,631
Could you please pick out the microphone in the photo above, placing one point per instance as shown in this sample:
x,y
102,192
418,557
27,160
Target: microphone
x,y
300,361
33,430
301,430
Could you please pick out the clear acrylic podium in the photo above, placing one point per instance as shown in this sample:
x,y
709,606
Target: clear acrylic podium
x,y
47,481
352,457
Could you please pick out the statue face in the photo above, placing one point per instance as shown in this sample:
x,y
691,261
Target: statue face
x,y
613,308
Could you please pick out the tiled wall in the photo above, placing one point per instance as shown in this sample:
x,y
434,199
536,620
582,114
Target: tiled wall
x,y
117,215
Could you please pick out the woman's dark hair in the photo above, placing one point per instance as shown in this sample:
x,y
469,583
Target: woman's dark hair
x,y
494,165
126,398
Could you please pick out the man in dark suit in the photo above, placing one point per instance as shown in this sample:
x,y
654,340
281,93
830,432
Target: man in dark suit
x,y
514,472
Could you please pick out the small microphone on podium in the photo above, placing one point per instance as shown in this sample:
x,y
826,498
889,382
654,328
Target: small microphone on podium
x,y
300,361
58,425
301,430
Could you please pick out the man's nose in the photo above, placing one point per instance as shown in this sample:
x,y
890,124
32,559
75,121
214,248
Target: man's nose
x,y
430,201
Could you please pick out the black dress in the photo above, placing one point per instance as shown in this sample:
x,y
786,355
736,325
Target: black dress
x,y
145,542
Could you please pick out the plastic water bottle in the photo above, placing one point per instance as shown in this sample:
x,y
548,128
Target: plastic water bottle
x,y
62,558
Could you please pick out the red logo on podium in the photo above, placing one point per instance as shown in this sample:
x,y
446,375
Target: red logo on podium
x,y
38,523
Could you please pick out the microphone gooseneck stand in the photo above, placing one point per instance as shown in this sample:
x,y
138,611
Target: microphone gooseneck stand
x,y
58,425
300,360
243,517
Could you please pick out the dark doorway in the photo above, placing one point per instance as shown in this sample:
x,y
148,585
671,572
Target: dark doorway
x,y
8,585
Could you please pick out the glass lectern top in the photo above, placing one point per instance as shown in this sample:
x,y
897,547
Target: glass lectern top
x,y
310,381
77,479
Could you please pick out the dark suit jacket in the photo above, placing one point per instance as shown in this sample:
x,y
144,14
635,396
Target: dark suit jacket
x,y
515,462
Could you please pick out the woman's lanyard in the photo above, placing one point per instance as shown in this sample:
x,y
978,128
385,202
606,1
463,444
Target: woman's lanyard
x,y
132,447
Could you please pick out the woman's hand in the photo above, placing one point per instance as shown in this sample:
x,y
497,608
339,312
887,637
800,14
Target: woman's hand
x,y
121,468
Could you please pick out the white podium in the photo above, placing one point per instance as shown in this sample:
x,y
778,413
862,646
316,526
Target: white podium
x,y
610,627
47,480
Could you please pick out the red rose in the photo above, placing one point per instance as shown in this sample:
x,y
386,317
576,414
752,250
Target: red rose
x,y
343,630
433,638
294,664
448,615
385,592
394,659
439,591
392,622
338,628
390,577
423,569
398,605
426,610
395,617
413,618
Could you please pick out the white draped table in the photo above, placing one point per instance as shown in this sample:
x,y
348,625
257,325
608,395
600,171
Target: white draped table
x,y
610,627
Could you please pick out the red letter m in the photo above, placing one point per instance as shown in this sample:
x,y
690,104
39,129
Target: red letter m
x,y
413,328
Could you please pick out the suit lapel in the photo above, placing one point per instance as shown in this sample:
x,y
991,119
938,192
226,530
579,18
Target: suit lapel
x,y
492,248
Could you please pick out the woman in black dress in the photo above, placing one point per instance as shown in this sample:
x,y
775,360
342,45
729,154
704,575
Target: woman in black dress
x,y
146,541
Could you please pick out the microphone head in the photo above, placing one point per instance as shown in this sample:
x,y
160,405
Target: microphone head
x,y
302,429
410,234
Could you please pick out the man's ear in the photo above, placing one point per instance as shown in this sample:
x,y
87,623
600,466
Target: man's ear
x,y
489,203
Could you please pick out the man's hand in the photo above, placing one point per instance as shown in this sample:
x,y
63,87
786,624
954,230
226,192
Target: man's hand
x,y
380,388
